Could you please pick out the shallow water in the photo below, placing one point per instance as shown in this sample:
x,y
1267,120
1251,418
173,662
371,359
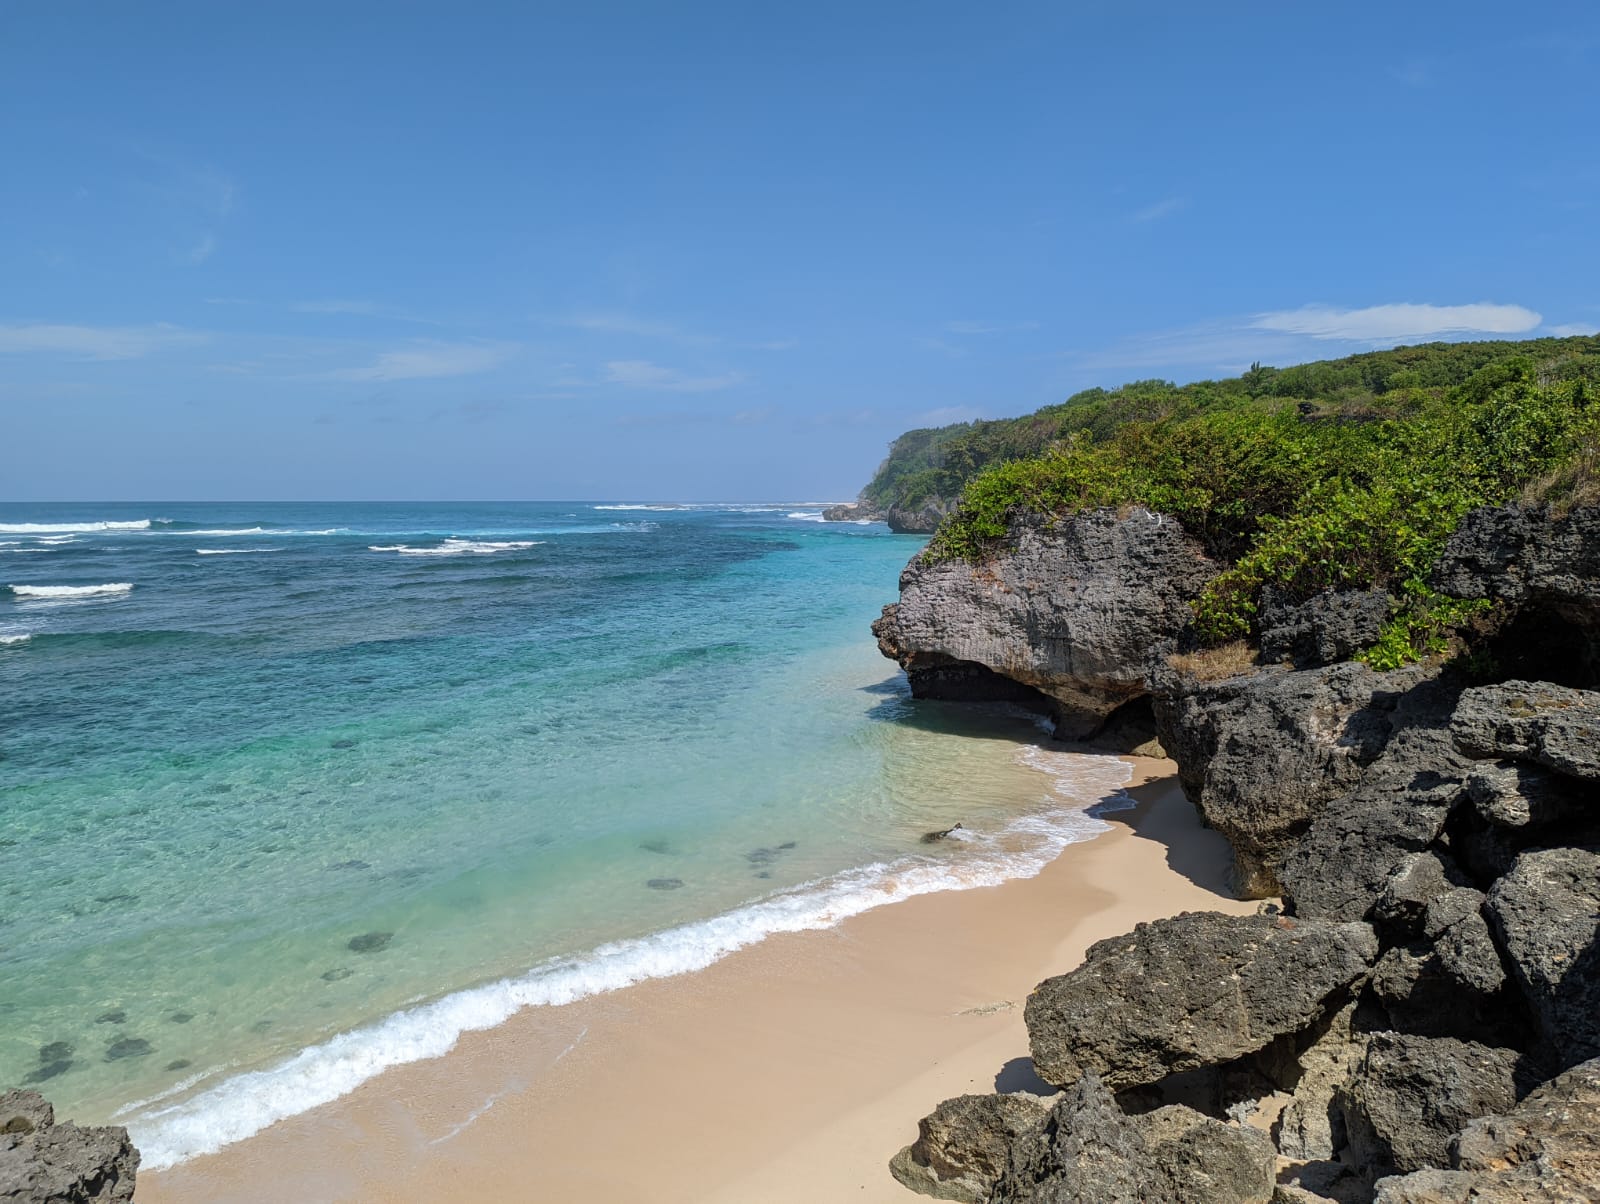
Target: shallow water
x,y
316,788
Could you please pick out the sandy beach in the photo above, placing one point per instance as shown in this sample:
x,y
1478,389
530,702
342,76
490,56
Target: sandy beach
x,y
789,1071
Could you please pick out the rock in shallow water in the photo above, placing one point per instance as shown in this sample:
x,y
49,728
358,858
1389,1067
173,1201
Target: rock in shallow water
x,y
665,883
369,942
128,1047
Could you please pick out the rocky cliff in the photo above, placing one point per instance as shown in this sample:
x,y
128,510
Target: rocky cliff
x,y
1416,1016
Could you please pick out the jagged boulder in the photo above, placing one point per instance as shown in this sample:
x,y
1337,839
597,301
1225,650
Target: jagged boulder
x,y
1078,608
964,1145
1546,917
852,512
1262,755
1197,990
1509,794
923,518
1309,1127
1328,627
1546,1149
1550,725
42,1162
1089,1149
1410,1095
1523,555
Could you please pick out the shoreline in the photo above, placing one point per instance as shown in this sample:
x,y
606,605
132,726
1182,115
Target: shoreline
x,y
789,1070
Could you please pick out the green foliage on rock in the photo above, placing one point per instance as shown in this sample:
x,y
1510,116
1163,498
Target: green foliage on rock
x,y
1340,486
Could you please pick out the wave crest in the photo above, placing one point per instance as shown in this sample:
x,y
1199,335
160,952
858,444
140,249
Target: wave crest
x,y
71,591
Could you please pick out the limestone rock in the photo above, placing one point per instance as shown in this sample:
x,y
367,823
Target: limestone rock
x,y
1090,1150
1309,1127
43,1162
1196,990
1262,755
921,519
1508,794
1520,556
1546,917
1411,1094
964,1145
1078,609
1550,725
1420,878
1545,1149
1328,627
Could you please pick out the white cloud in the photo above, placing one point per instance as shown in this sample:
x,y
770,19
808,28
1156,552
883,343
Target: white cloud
x,y
989,327
92,342
360,308
1399,322
642,374
202,250
1159,210
426,359
1568,329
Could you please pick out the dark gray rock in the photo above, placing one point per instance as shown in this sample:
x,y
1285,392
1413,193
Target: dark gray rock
x,y
1550,725
1262,755
964,1145
1197,990
1328,627
1411,1094
1079,609
1342,865
852,512
42,1162
1509,794
1524,556
923,518
1402,909
1547,1149
1090,1150
1546,917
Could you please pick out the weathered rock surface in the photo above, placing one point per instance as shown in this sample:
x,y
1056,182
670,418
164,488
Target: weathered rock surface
x,y
964,1145
1310,1127
1262,755
1546,916
1547,1149
1411,1094
1197,990
922,519
1328,627
851,512
1509,794
42,1162
1090,1150
1550,725
1521,555
1342,865
1079,610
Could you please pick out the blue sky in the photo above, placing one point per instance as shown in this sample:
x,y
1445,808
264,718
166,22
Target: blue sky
x,y
724,251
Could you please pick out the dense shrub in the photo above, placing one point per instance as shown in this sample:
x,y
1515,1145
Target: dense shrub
x,y
1302,494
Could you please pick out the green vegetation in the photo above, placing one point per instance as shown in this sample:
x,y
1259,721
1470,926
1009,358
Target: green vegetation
x,y
1349,473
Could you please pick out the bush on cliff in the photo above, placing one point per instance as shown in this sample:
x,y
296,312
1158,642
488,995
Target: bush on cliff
x,y
1353,491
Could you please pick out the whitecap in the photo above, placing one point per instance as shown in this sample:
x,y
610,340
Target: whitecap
x,y
71,591
245,1104
232,551
19,637
457,547
142,524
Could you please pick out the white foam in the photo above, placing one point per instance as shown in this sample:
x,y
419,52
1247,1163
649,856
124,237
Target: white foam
x,y
21,637
638,506
810,516
71,591
247,1103
231,531
25,551
142,524
233,551
457,547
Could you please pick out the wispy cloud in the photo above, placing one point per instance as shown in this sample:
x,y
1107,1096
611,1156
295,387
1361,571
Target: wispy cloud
x,y
353,308
1158,210
1568,329
990,327
93,342
203,248
643,374
426,359
1398,322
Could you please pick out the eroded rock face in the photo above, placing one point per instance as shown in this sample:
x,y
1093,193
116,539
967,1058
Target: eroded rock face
x,y
1549,725
1079,609
1546,916
1197,990
1262,755
1328,627
1547,1148
964,1145
42,1162
1411,1094
1523,556
1089,1149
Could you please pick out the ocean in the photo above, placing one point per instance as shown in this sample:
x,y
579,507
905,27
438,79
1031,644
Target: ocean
x,y
293,793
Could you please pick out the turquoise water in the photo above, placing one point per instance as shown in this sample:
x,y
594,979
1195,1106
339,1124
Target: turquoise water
x,y
292,793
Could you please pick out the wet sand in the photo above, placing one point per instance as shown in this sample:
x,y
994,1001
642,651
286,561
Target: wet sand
x,y
789,1071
